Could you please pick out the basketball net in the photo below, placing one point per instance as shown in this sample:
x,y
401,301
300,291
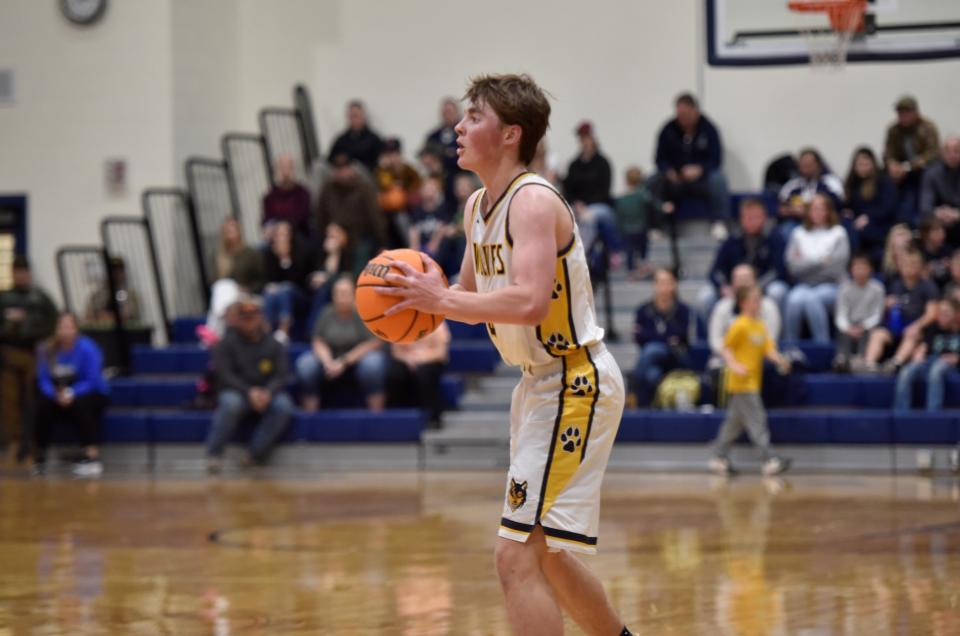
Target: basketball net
x,y
829,46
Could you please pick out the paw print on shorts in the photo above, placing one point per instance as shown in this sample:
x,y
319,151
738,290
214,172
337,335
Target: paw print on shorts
x,y
581,385
558,341
557,289
570,439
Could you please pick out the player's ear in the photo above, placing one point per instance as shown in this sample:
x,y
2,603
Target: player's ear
x,y
511,134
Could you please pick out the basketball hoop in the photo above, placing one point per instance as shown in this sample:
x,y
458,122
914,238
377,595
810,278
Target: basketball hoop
x,y
829,45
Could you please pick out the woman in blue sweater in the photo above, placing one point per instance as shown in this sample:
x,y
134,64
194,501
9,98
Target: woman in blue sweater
x,y
72,390
662,330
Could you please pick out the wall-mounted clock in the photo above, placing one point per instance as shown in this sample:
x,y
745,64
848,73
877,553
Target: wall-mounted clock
x,y
83,12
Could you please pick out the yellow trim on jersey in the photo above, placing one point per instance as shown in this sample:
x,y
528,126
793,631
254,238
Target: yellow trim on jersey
x,y
514,530
557,333
578,399
586,544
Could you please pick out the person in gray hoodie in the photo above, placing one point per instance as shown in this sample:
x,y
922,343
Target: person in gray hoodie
x,y
860,305
250,367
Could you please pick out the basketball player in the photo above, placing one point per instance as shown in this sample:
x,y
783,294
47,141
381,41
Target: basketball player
x,y
524,274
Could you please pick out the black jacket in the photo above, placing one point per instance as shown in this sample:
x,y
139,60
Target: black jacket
x,y
39,322
242,364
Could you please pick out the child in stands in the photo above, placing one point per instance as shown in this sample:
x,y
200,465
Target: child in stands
x,y
911,308
933,359
859,309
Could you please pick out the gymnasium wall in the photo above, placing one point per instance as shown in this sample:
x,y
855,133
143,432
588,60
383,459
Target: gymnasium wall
x,y
158,80
82,96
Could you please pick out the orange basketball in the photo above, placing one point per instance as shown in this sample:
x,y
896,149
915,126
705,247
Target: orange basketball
x,y
408,325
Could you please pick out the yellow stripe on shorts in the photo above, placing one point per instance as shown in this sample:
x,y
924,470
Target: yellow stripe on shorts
x,y
578,398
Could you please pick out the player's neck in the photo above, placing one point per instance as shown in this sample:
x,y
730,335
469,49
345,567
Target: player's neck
x,y
499,177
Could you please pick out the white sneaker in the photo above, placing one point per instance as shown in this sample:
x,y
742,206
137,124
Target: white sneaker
x,y
719,231
720,465
954,459
775,466
88,468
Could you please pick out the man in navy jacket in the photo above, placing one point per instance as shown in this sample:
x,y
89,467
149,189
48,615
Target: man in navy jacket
x,y
689,160
754,244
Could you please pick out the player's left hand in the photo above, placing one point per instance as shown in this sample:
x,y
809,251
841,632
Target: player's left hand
x,y
422,291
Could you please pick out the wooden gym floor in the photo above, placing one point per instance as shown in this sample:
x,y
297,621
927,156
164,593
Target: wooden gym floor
x,y
410,554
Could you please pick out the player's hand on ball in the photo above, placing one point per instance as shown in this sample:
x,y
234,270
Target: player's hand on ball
x,y
422,291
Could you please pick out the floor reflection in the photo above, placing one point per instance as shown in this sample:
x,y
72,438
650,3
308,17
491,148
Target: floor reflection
x,y
411,555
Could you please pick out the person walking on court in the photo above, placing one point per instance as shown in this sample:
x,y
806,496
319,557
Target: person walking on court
x,y
525,275
745,347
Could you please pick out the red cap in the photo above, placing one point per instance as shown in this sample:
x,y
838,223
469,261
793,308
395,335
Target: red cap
x,y
584,128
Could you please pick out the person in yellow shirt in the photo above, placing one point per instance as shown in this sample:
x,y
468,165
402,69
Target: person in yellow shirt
x,y
745,347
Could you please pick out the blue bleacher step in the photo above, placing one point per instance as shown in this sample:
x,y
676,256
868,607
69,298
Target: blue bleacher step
x,y
178,391
474,356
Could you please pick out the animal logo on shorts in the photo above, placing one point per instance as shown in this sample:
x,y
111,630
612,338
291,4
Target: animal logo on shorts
x,y
581,385
558,341
570,439
557,289
517,496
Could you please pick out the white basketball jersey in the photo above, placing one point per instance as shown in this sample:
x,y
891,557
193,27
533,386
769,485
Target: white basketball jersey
x,y
571,323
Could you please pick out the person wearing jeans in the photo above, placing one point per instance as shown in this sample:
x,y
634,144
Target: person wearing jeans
x,y
251,371
816,259
933,361
662,331
343,349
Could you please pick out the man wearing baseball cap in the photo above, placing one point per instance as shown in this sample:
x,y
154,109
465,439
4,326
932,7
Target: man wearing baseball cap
x,y
912,143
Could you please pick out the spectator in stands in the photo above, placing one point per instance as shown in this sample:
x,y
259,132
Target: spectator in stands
x,y
334,260
745,347
662,330
911,307
432,230
936,356
940,192
816,258
859,309
350,201
72,391
725,311
358,141
753,243
27,316
399,191
952,288
911,145
796,194
343,353
445,137
99,309
287,266
287,201
932,243
588,175
546,164
899,242
636,212
689,162
251,372
413,377
871,201
239,270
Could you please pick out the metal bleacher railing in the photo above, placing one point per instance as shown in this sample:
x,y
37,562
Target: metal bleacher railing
x,y
90,293
138,282
248,168
208,182
173,233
